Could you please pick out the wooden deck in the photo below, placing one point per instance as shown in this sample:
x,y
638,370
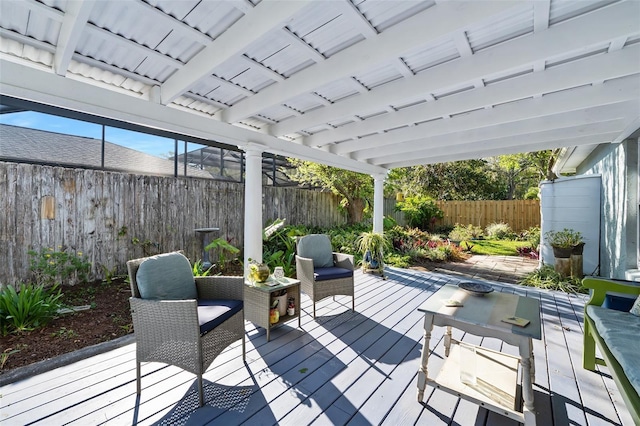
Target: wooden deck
x,y
344,368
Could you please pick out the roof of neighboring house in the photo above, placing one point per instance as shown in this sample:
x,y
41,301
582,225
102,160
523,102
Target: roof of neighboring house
x,y
39,146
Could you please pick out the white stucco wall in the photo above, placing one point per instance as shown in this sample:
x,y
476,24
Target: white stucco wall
x,y
618,166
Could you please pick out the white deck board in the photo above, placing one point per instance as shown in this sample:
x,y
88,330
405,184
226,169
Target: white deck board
x,y
356,368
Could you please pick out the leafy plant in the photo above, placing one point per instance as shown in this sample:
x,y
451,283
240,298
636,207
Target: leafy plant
x,y
567,238
462,233
222,245
199,271
372,246
50,267
499,231
547,278
4,356
420,211
29,308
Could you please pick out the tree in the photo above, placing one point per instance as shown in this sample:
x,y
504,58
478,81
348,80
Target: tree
x,y
523,171
459,180
354,189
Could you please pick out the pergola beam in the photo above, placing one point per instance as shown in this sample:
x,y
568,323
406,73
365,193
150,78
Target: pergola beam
x,y
615,21
75,19
423,27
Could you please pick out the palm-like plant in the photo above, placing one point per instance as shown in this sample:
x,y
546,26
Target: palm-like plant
x,y
372,246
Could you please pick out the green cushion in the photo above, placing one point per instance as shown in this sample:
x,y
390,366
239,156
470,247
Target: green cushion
x,y
316,247
166,277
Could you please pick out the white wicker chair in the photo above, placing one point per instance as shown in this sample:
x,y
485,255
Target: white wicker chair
x,y
168,331
321,282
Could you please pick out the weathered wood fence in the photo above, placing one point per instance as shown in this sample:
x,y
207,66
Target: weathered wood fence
x,y
113,217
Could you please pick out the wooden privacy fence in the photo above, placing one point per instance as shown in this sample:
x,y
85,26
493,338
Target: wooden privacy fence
x,y
113,217
519,214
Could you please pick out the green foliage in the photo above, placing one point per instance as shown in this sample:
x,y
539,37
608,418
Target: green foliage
x,y
495,247
279,246
459,180
375,244
199,271
4,356
420,211
223,246
29,308
464,233
354,189
499,231
532,236
566,238
50,267
547,278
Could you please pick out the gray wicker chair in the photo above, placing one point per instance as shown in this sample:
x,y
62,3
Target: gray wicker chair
x,y
322,272
179,332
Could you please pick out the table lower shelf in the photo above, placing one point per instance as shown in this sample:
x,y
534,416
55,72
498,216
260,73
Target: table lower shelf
x,y
496,386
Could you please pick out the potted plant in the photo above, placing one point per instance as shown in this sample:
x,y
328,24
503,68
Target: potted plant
x,y
565,242
372,245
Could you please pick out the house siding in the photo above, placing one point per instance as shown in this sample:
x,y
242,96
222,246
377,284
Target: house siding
x,y
618,166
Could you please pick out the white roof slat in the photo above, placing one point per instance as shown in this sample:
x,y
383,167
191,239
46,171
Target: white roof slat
x,y
304,103
434,54
561,10
505,26
277,52
323,26
243,74
337,90
379,76
213,88
385,14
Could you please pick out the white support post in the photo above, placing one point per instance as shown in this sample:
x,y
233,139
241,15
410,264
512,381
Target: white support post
x,y
378,203
252,204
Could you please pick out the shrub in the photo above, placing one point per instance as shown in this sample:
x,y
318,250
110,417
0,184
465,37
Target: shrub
x,y
499,231
547,278
420,211
462,233
50,267
29,308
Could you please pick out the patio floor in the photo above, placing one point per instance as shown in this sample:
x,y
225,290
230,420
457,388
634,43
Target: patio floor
x,y
344,368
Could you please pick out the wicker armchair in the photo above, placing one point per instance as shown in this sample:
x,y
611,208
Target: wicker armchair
x,y
183,330
322,272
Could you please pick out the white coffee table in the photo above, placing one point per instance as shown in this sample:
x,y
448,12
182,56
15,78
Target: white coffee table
x,y
495,384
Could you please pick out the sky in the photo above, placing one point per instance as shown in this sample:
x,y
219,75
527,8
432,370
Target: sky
x,y
150,144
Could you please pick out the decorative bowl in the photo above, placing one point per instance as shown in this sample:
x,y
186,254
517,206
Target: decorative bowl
x,y
476,289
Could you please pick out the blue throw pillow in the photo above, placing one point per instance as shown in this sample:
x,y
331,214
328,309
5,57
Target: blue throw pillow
x,y
317,247
166,277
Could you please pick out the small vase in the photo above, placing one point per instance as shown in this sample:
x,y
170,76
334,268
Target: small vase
x,y
259,272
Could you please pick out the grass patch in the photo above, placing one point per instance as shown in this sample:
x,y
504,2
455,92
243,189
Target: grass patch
x,y
494,247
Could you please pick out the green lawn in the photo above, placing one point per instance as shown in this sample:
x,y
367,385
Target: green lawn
x,y
494,247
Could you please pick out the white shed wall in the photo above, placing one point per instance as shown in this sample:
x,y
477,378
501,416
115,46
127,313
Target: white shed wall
x,y
572,202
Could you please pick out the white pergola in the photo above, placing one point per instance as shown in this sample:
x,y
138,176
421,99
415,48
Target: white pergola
x,y
364,85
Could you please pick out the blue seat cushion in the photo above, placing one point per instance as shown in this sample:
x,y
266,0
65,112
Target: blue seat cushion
x,y
166,276
213,312
620,331
332,273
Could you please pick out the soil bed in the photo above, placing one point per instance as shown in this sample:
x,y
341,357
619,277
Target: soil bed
x,y
107,319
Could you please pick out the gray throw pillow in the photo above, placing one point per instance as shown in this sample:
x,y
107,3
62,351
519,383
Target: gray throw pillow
x,y
166,277
317,247
635,309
